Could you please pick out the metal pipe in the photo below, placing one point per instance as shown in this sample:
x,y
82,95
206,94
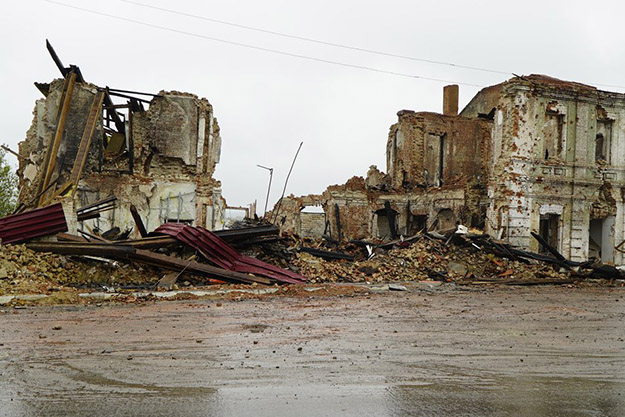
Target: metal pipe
x,y
275,216
268,188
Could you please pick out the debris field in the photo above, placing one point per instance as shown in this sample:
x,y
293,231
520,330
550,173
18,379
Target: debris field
x,y
121,196
181,256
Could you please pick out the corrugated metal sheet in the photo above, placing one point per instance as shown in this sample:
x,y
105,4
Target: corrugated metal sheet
x,y
35,223
217,251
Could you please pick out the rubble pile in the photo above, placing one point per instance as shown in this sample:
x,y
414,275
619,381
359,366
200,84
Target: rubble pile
x,y
22,270
428,256
262,256
158,259
423,259
25,271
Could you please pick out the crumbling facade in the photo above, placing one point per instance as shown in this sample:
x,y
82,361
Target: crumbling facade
x,y
558,165
533,154
158,155
436,168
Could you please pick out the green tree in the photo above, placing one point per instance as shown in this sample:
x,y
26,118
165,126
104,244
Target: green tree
x,y
8,187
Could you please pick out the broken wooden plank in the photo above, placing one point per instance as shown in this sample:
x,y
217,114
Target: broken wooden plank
x,y
55,142
59,191
246,233
114,93
150,242
56,59
255,241
549,248
117,90
96,206
12,152
138,222
168,281
194,267
70,238
119,123
94,237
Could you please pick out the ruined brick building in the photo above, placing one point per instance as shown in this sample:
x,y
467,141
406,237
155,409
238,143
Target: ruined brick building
x,y
158,155
533,153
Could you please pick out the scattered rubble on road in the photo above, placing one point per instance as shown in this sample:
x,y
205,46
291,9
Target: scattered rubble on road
x,y
63,262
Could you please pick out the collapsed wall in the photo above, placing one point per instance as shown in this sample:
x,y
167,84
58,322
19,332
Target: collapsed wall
x,y
436,168
160,159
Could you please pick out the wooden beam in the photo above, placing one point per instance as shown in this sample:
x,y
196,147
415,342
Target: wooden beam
x,y
53,148
119,124
56,59
549,248
97,204
130,141
127,96
152,242
59,191
117,90
138,221
11,151
117,106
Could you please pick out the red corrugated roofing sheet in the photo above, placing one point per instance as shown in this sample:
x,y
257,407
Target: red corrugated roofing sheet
x,y
44,221
217,251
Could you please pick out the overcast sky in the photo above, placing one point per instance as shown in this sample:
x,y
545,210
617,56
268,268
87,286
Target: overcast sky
x,y
266,103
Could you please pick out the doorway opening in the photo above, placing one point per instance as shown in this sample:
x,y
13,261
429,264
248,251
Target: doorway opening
x,y
600,239
549,231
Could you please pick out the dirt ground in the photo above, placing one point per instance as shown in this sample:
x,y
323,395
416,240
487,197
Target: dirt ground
x,y
440,351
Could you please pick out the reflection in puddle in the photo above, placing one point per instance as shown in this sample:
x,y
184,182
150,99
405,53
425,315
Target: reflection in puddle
x,y
498,396
539,396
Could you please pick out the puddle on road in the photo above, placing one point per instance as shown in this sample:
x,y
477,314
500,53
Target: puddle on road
x,y
501,397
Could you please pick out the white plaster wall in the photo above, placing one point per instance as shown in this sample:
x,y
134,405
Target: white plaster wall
x,y
151,206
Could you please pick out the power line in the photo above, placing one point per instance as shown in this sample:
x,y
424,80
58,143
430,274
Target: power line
x,y
302,38
337,45
260,48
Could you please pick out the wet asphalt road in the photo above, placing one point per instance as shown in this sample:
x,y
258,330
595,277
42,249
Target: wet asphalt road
x,y
502,352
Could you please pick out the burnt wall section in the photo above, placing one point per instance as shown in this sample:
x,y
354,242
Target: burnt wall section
x,y
42,131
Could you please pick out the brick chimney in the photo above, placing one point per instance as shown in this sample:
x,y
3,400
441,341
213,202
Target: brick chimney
x,y
450,100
